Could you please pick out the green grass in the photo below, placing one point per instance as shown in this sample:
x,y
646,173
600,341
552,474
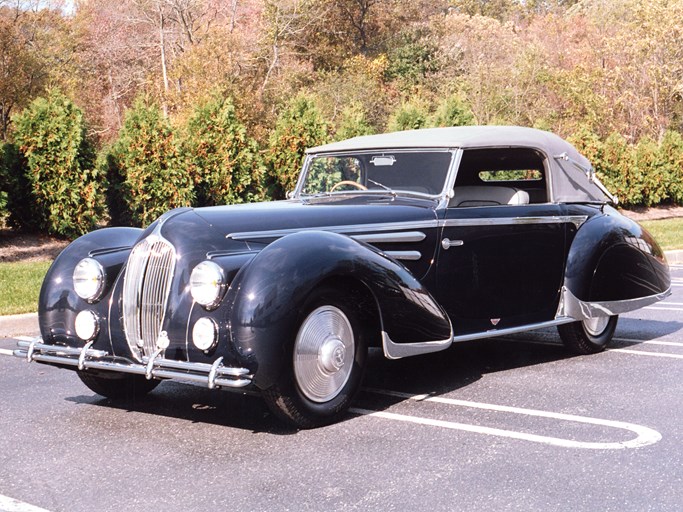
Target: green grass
x,y
20,285
668,232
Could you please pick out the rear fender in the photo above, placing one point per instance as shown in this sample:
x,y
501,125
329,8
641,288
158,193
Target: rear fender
x,y
614,264
268,295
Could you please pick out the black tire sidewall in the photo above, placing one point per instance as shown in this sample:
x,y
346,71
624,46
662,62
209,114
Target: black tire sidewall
x,y
337,405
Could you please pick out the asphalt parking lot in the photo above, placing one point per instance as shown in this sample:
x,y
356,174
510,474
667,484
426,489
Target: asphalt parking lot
x,y
500,424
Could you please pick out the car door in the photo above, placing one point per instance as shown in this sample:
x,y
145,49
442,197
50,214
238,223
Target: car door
x,y
501,266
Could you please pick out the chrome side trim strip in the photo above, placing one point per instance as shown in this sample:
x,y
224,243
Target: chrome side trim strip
x,y
577,220
398,350
404,255
211,375
345,229
571,306
386,238
511,330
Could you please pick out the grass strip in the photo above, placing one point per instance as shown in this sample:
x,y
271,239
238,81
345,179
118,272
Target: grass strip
x,y
668,232
20,285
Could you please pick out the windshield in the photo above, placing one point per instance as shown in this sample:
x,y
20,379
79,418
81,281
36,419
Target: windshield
x,y
422,172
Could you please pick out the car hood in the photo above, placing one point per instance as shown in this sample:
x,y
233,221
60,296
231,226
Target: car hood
x,y
237,221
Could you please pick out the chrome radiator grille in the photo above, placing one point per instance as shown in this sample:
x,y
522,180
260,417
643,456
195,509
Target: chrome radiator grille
x,y
146,286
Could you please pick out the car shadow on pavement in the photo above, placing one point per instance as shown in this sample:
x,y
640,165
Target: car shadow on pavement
x,y
460,365
433,374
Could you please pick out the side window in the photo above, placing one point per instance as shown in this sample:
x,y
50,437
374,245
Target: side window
x,y
511,175
500,176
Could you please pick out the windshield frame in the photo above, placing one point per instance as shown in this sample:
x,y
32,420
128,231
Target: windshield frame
x,y
448,179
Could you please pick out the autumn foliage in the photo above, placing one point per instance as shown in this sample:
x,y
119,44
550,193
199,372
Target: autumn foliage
x,y
234,91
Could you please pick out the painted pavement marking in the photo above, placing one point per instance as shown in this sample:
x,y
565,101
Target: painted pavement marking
x,y
646,353
644,436
8,504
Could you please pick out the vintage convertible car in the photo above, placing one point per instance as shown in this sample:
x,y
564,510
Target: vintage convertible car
x,y
407,241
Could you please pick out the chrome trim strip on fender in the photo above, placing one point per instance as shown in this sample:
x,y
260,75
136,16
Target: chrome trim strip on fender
x,y
211,375
571,306
344,229
404,255
398,350
387,238
577,220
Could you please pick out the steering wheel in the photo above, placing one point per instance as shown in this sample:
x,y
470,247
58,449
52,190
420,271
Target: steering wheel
x,y
348,182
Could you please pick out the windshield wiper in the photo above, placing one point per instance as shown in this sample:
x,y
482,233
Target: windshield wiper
x,y
381,185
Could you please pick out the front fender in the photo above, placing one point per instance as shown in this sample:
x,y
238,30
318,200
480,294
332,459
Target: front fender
x,y
58,303
268,294
613,258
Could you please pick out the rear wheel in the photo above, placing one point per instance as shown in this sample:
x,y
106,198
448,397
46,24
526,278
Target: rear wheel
x,y
327,363
118,386
588,336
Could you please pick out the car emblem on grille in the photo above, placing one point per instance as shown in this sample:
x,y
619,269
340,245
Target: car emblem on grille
x,y
162,341
495,321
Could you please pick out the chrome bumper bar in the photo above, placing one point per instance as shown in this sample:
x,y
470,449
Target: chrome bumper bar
x,y
156,367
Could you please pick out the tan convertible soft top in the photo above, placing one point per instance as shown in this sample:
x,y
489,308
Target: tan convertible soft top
x,y
571,177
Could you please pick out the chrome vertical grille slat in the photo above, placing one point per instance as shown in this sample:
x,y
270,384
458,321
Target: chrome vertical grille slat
x,y
146,287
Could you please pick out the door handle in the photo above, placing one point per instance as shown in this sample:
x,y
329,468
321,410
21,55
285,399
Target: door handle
x,y
447,243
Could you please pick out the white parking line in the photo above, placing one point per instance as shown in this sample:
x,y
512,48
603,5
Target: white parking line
x,y
645,353
8,504
644,436
651,342
5,352
664,309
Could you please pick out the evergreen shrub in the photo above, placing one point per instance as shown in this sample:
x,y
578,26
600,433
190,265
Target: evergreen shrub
x,y
299,126
146,167
65,186
224,162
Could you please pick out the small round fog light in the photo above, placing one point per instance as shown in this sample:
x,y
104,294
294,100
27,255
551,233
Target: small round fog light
x,y
205,333
87,325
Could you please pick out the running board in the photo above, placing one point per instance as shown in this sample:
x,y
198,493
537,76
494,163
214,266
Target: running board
x,y
512,330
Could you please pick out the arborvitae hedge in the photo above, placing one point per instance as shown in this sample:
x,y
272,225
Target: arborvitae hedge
x,y
66,187
147,168
298,127
643,174
411,115
224,162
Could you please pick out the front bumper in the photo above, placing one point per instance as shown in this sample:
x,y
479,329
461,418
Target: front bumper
x,y
156,367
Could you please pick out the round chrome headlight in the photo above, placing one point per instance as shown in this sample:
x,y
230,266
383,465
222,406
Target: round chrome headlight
x,y
86,325
205,333
207,284
89,279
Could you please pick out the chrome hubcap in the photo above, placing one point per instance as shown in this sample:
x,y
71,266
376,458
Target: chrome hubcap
x,y
323,354
596,326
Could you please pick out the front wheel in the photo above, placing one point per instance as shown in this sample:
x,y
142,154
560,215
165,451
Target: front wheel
x,y
588,336
327,363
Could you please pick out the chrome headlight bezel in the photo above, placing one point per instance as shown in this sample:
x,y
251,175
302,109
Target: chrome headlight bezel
x,y
89,279
208,284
